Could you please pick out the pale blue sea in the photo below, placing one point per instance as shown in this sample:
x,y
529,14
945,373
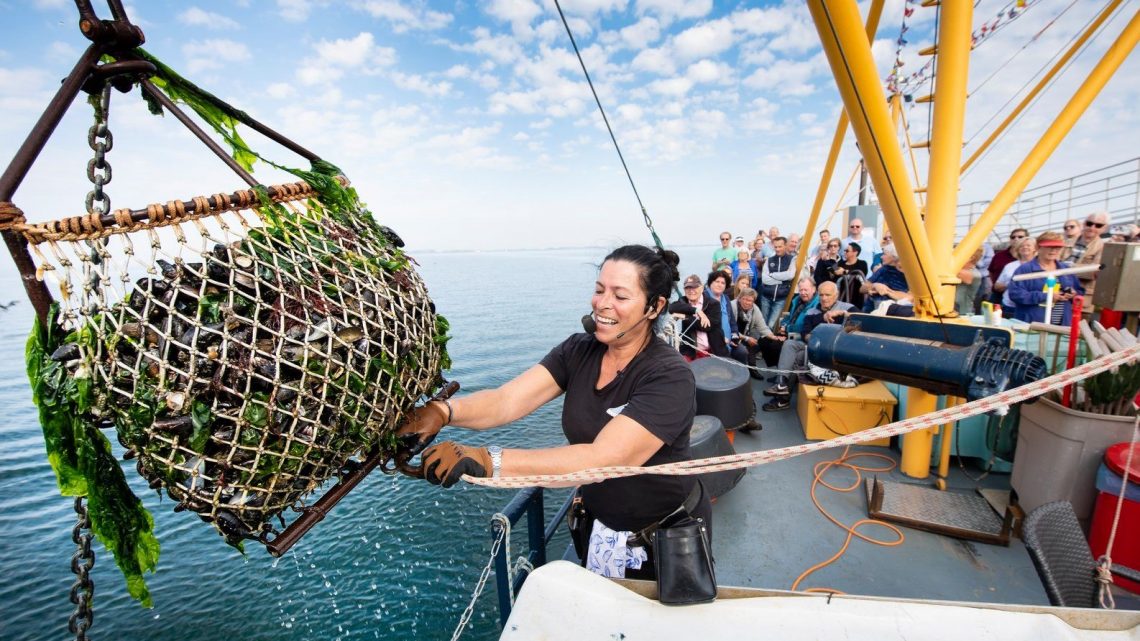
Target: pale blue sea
x,y
397,559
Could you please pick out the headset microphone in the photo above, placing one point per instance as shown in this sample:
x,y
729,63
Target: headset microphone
x,y
643,319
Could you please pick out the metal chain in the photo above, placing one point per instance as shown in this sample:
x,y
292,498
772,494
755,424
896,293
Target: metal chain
x,y
98,169
503,525
83,590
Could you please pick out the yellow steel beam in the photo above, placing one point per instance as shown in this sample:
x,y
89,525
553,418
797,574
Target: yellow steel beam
x,y
873,15
1061,126
919,189
954,25
849,55
1108,10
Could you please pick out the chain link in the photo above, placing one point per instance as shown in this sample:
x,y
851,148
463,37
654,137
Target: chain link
x,y
98,169
503,526
83,590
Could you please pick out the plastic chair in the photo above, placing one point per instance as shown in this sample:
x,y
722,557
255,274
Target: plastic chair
x,y
1061,555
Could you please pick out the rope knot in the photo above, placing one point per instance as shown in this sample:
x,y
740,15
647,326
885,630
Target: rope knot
x,y
10,215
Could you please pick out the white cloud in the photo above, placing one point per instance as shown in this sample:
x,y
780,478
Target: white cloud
x,y
418,83
669,10
656,61
294,10
280,90
708,71
519,13
335,56
760,115
642,33
786,77
200,17
707,39
404,17
215,53
501,49
671,86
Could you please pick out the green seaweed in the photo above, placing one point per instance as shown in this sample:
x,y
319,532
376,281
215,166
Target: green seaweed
x,y
82,459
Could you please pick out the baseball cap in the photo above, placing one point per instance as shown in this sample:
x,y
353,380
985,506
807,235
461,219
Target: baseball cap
x,y
693,281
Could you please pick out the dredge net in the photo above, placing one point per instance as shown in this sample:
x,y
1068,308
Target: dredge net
x,y
244,347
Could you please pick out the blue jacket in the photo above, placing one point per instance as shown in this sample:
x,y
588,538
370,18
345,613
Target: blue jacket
x,y
1028,296
793,323
755,272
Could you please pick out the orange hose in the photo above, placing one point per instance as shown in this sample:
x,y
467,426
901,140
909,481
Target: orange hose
x,y
819,471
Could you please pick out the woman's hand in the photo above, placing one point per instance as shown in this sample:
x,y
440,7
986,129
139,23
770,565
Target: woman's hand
x,y
446,463
419,429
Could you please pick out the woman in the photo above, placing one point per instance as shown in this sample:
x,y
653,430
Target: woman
x,y
828,259
629,401
1024,249
744,267
698,313
1029,296
742,282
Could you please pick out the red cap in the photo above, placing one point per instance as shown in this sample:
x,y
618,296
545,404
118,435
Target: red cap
x,y
1051,243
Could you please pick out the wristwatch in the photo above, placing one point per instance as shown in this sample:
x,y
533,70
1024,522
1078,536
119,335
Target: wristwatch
x,y
496,453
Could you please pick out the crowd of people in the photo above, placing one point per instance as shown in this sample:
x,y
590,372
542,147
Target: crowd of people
x,y
738,310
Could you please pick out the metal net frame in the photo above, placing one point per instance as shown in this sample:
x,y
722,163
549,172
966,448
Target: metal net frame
x,y
243,351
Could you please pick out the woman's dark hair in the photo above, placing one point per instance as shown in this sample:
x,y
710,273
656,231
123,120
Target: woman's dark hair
x,y
856,247
715,274
657,269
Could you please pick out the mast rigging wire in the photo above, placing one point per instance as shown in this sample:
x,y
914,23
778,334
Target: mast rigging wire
x,y
644,213
1023,48
1054,81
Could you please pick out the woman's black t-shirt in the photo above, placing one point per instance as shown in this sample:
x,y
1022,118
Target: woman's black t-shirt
x,y
656,389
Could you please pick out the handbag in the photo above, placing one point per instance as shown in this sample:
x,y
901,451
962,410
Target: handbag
x,y
683,562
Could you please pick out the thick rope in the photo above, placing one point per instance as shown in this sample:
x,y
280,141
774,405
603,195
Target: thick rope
x,y
737,461
91,226
1104,564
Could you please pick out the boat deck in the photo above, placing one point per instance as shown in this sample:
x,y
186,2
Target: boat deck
x,y
767,532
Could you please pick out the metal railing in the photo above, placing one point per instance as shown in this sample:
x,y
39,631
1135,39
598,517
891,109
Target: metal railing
x,y
539,533
1114,188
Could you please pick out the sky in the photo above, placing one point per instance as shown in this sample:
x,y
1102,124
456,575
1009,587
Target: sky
x,y
469,125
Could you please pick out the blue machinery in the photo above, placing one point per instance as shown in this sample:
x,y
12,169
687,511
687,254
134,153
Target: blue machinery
x,y
941,358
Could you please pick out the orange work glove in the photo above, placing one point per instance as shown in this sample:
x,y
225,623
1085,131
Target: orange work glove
x,y
419,428
445,463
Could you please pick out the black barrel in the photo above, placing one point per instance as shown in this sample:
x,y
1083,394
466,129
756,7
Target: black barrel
x,y
708,439
724,390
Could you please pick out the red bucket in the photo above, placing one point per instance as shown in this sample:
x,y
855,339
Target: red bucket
x,y
1126,546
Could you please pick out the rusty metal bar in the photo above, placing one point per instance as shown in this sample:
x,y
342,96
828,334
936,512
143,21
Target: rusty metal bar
x,y
198,132
22,162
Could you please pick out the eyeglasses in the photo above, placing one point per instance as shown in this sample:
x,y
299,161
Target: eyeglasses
x,y
855,227
886,238
1070,226
1018,237
725,238
1089,223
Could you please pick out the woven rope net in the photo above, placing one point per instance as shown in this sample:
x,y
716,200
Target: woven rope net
x,y
243,352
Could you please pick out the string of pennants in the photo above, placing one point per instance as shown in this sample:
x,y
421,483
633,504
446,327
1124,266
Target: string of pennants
x,y
896,83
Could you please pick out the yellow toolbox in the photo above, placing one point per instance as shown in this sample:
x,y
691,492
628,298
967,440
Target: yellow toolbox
x,y
826,412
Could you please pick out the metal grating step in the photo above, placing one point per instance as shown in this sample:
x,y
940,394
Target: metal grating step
x,y
963,515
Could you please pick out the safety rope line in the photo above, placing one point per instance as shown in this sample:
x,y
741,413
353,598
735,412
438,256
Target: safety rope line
x,y
992,403
755,368
504,535
1104,564
644,212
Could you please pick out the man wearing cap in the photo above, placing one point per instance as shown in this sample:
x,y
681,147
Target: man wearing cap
x,y
1086,250
726,254
738,244
700,322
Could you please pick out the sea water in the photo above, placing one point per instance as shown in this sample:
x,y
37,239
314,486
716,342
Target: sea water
x,y
397,559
